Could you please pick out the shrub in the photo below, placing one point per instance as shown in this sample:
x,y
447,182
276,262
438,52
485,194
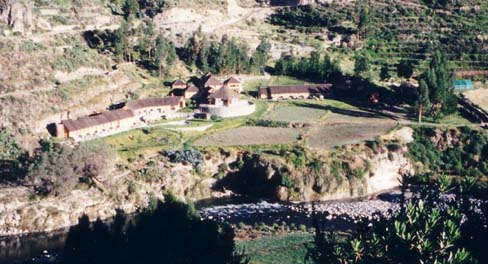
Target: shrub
x,y
191,156
56,169
266,123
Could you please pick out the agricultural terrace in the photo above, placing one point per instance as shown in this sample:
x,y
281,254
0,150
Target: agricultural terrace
x,y
318,124
394,31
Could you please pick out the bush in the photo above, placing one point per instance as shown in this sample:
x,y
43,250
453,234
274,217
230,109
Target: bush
x,y
266,123
191,156
56,169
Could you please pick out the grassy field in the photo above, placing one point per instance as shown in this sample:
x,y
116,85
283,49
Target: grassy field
x,y
292,113
251,86
287,249
250,136
149,141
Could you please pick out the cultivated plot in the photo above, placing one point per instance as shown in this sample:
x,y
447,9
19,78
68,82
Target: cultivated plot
x,y
251,136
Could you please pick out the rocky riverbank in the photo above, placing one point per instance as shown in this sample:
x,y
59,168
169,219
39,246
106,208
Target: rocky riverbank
x,y
338,214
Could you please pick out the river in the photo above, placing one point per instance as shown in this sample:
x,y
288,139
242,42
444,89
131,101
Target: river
x,y
337,215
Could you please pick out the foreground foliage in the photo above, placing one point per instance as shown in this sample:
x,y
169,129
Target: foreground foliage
x,y
172,233
429,228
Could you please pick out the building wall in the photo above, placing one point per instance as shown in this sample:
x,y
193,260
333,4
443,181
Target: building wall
x,y
102,129
236,87
290,95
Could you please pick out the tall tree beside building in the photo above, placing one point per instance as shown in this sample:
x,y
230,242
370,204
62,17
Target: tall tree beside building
x,y
422,101
439,80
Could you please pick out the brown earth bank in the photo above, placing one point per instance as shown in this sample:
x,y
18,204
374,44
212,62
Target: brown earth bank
x,y
346,172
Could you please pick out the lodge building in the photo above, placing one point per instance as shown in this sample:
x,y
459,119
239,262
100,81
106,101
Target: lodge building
x,y
114,121
294,91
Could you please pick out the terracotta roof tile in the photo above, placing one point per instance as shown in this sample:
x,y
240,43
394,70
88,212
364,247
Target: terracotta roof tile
x,y
178,83
94,120
232,80
153,102
212,81
224,93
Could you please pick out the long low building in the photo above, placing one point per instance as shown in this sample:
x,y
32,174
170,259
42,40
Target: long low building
x,y
97,124
114,121
294,91
155,108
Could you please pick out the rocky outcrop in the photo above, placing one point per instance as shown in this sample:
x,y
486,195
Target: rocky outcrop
x,y
16,15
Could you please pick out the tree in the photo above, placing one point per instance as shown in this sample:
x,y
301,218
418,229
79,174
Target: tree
x,y
364,21
385,72
426,229
130,8
56,169
405,69
361,65
422,100
172,233
261,56
439,80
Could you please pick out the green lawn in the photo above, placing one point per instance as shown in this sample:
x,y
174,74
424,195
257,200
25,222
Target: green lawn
x,y
286,249
250,86
148,141
292,113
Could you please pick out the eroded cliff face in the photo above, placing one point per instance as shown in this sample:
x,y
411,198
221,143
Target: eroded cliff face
x,y
347,172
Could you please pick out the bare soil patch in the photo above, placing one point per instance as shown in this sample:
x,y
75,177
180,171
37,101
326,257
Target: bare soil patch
x,y
332,135
479,97
251,136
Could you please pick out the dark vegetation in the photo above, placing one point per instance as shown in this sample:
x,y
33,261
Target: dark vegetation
x,y
458,152
429,228
135,44
170,233
224,56
315,68
53,168
254,178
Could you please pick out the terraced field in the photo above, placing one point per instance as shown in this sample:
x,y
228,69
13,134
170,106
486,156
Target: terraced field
x,y
243,136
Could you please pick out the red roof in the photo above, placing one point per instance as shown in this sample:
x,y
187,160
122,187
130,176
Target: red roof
x,y
232,80
192,88
225,93
212,81
179,83
153,102
98,119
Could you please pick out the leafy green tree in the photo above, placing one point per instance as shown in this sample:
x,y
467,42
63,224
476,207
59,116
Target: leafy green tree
x,y
130,8
363,21
261,56
426,229
439,80
405,69
55,169
385,72
361,65
422,101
